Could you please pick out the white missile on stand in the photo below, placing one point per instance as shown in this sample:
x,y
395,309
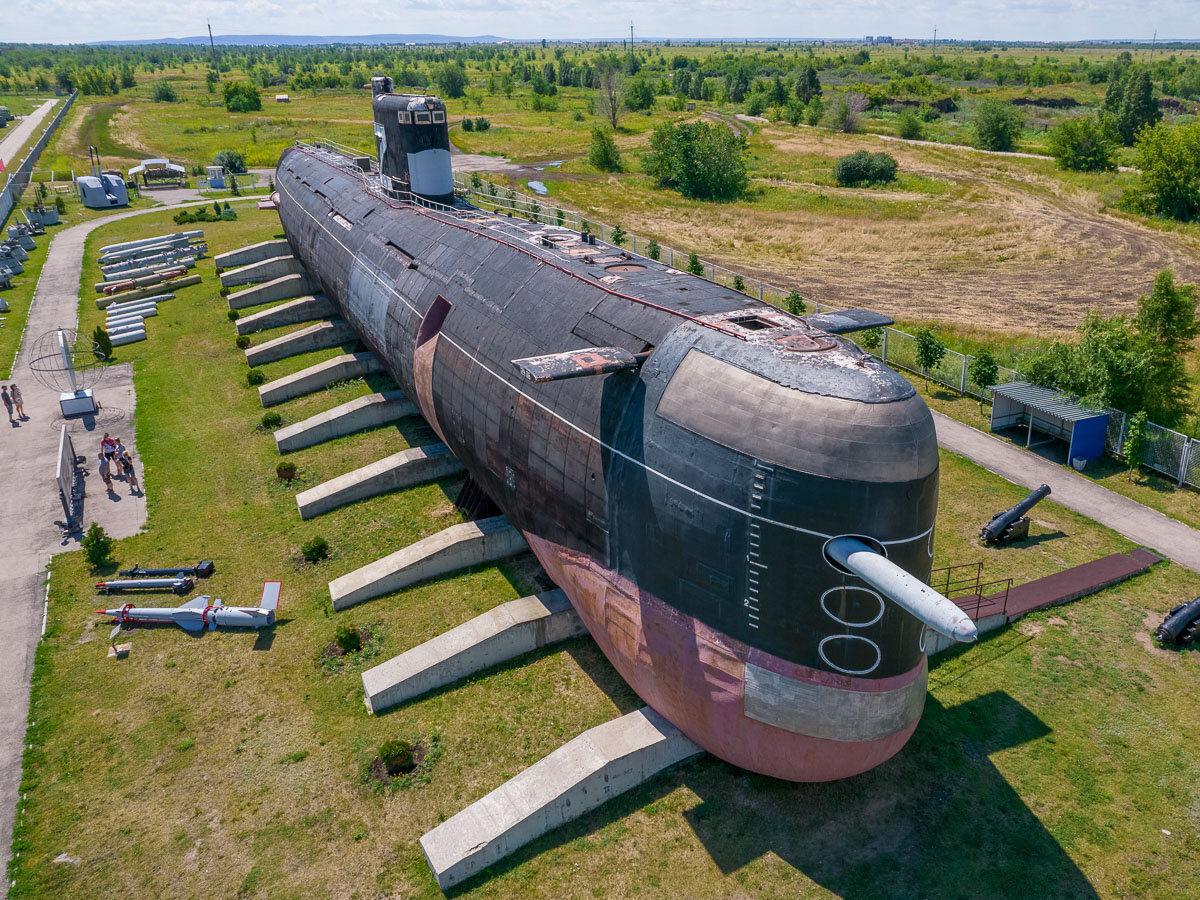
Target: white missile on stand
x,y
203,612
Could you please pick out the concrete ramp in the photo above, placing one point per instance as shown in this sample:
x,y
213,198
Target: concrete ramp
x,y
244,256
293,312
322,336
264,270
579,776
284,288
400,470
454,548
314,378
500,634
359,414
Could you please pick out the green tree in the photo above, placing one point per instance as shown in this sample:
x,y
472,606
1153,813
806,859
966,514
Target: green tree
x,y
97,545
639,94
1084,144
871,339
603,153
102,343
982,371
795,303
232,161
739,283
910,127
694,265
808,85
653,250
1134,447
698,160
618,235
241,97
1130,100
1169,184
997,125
452,80
163,92
930,351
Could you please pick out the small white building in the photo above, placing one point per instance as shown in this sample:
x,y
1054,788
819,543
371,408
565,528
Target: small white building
x,y
282,98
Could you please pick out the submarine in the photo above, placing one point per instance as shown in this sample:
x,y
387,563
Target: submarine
x,y
738,502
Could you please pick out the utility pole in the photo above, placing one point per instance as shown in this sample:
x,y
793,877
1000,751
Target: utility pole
x,y
935,42
631,45
1153,41
213,46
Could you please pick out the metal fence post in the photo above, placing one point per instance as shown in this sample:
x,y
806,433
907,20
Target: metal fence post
x,y
760,292
962,381
1121,438
883,349
1183,463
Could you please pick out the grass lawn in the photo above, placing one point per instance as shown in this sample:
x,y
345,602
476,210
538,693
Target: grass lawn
x,y
1050,759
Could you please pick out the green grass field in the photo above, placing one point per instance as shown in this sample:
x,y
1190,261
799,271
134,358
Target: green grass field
x,y
1052,758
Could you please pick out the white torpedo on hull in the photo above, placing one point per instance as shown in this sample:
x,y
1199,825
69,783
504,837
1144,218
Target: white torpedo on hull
x,y
203,612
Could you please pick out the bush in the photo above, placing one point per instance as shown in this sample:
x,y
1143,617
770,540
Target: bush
x,y
397,756
285,471
739,283
930,351
61,205
795,303
997,125
845,113
603,153
452,80
468,124
315,549
653,251
814,111
909,127
618,235
233,315
231,160
698,160
241,97
871,339
97,545
694,265
271,421
639,94
348,638
1169,184
255,377
1084,144
103,343
864,168
242,341
482,124
163,92
983,371
1134,447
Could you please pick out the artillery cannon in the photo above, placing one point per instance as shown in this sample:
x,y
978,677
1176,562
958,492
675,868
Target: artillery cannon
x,y
1181,625
1012,524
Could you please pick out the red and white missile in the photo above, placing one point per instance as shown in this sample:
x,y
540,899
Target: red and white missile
x,y
203,612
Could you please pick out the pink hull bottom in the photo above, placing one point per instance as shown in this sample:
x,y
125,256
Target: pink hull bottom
x,y
695,677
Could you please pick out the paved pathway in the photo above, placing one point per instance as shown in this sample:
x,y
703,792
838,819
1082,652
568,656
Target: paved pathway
x,y
15,135
30,505
1140,524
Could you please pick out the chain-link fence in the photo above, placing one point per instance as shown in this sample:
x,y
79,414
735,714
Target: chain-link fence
x,y
1169,452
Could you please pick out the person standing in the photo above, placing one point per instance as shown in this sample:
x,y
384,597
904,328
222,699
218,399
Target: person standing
x,y
103,469
130,474
8,404
18,402
108,447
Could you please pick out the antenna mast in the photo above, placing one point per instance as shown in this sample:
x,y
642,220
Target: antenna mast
x,y
213,46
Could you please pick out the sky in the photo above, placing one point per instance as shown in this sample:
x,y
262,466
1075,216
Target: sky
x,y
77,21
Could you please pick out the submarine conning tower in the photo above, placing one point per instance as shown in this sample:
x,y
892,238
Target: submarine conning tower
x,y
413,143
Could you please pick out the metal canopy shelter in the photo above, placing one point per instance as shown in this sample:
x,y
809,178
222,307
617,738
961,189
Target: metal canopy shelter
x,y
1051,412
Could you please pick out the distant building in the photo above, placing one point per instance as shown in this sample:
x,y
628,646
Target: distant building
x,y
282,98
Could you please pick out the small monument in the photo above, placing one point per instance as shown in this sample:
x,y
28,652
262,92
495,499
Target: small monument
x,y
59,363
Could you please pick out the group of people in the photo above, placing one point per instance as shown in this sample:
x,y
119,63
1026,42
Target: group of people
x,y
113,455
11,395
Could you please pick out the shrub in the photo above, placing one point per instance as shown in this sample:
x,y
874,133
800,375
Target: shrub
x,y
271,421
468,124
871,339
97,545
694,265
241,97
452,80
814,111
698,160
315,550
739,283
255,377
845,113
217,207
618,235
795,303
61,205
1084,144
285,471
163,92
231,160
930,351
997,125
1134,447
242,341
653,250
348,638
233,315
909,127
103,343
1169,184
603,154
397,756
755,105
864,168
983,371
482,124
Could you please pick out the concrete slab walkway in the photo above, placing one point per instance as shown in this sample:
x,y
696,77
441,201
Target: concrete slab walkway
x,y
1140,524
31,506
15,136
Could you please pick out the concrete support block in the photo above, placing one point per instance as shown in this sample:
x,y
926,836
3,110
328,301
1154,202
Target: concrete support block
x,y
154,291
601,763
244,256
293,312
400,470
321,336
306,381
284,288
370,411
454,548
265,270
501,634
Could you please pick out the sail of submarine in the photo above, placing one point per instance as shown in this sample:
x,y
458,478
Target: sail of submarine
x,y
739,504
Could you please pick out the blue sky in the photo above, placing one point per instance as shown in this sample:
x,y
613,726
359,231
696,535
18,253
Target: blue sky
x,y
62,21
